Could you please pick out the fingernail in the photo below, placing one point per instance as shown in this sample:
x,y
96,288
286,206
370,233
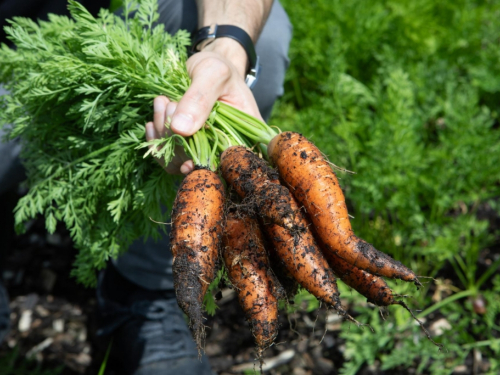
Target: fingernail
x,y
150,131
182,123
159,105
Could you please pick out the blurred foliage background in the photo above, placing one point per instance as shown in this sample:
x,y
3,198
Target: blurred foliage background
x,y
407,95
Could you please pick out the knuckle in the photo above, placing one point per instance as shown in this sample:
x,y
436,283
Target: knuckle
x,y
221,68
217,67
196,99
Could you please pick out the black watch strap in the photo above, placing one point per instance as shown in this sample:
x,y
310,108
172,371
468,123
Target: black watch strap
x,y
210,33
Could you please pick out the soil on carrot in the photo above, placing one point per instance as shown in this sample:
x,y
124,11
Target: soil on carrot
x,y
197,217
254,181
53,319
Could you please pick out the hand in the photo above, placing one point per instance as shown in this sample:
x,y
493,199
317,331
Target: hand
x,y
217,73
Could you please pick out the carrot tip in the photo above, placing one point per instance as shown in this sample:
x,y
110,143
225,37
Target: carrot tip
x,y
343,313
425,277
358,324
426,332
401,296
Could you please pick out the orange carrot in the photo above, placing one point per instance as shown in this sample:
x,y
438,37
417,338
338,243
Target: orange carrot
x,y
251,177
248,270
197,222
374,288
304,261
313,183
285,278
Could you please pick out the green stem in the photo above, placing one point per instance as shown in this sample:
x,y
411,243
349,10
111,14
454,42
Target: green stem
x,y
246,132
256,130
216,142
463,294
229,130
104,363
200,146
457,264
187,147
237,128
193,153
479,344
224,140
205,147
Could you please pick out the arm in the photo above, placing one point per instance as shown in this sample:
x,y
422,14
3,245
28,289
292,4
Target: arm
x,y
250,15
217,73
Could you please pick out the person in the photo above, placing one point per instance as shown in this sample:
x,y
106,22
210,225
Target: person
x,y
136,300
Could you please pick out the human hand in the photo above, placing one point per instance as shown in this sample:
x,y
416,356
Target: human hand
x,y
217,74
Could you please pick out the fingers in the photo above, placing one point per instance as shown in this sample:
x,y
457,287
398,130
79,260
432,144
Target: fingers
x,y
170,111
160,104
213,78
150,132
187,167
179,163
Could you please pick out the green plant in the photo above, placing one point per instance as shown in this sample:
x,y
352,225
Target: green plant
x,y
406,95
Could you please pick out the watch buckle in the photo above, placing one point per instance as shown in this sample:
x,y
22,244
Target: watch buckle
x,y
253,75
212,34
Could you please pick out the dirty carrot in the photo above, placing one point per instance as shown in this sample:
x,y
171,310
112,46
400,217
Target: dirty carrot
x,y
304,261
197,222
374,288
285,278
251,177
250,274
311,180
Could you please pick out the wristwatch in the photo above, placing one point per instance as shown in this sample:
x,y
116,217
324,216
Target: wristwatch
x,y
208,34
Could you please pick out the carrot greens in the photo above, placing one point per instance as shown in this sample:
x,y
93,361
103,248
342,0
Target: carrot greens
x,y
80,92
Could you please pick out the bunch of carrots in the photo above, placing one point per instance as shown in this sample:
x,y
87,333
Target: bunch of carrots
x,y
277,218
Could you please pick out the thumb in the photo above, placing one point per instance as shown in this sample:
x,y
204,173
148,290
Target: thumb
x,y
194,107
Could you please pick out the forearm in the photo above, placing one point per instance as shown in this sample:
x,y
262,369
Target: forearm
x,y
250,15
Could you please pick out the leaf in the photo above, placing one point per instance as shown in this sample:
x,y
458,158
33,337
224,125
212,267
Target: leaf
x,y
76,97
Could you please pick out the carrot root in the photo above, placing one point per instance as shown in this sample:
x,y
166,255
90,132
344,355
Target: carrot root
x,y
304,261
197,219
426,332
249,271
314,184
